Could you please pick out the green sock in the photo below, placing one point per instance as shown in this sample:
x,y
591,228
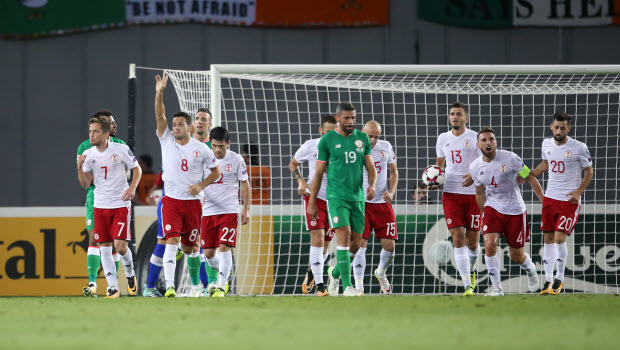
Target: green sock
x,y
344,267
193,264
211,273
93,262
117,261
336,272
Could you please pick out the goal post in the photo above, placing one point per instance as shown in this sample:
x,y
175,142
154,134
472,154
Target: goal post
x,y
276,108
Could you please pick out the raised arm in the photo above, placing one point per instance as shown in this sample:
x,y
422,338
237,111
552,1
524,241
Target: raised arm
x,y
389,195
245,212
85,178
371,192
160,110
302,185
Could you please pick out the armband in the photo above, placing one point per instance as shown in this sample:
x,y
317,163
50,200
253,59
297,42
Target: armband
x,y
524,172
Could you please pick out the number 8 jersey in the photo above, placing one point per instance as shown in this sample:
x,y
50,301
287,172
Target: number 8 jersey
x,y
565,165
459,152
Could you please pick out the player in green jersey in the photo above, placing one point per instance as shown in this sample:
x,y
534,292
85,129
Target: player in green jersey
x,y
345,152
93,258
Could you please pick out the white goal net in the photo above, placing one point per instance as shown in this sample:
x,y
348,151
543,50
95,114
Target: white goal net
x,y
277,108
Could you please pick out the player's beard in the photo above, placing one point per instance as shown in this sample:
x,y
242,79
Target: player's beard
x,y
456,127
559,137
348,129
181,136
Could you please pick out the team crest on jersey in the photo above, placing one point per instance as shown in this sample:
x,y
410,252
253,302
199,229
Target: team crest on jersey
x,y
335,219
359,143
382,154
467,144
567,154
449,221
338,145
313,222
114,158
96,236
196,154
130,154
228,168
503,169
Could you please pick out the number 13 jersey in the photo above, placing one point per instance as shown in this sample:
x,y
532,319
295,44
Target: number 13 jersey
x,y
460,152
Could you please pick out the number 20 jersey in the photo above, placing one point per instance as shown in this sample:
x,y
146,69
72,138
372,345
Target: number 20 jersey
x,y
460,152
565,165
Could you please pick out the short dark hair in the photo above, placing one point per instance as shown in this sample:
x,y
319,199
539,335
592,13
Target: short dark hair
x,y
188,118
344,106
562,117
102,113
204,110
220,134
103,121
421,185
252,151
459,104
486,129
328,118
147,160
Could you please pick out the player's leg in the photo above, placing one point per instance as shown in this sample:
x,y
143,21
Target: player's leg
x,y
209,241
193,266
561,255
122,233
359,266
204,269
472,236
491,241
549,218
225,236
226,264
357,220
192,224
157,259
517,234
455,210
93,255
339,215
386,257
103,236
314,275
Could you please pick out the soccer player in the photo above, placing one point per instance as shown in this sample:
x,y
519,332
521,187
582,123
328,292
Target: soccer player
x,y
202,126
456,149
218,229
348,151
379,215
93,258
499,198
183,161
104,164
568,158
320,234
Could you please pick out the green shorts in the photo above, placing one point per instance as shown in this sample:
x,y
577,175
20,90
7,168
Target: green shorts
x,y
90,216
346,213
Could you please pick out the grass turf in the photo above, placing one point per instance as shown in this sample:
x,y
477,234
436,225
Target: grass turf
x,y
509,322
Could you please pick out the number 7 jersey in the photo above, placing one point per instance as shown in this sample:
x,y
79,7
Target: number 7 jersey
x,y
565,165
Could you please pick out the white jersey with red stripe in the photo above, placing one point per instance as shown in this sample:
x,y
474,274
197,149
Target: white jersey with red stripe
x,y
309,152
499,176
108,168
222,196
382,154
183,165
459,152
566,163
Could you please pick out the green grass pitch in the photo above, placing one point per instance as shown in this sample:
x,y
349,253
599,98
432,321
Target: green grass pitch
x,y
369,322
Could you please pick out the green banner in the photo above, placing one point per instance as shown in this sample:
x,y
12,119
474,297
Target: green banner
x,y
468,13
32,18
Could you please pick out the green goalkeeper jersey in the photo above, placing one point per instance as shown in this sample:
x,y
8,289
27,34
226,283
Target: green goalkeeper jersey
x,y
345,157
90,194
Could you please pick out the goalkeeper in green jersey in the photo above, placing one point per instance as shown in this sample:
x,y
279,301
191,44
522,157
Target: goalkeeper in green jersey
x,y
345,152
93,258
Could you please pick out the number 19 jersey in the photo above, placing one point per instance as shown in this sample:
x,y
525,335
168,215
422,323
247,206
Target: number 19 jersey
x,y
345,157
460,152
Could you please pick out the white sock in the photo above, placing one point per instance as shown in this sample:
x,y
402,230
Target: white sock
x,y
492,263
317,263
127,260
325,256
109,268
528,265
93,251
462,264
359,267
214,262
203,258
385,259
170,264
549,250
562,254
473,258
225,267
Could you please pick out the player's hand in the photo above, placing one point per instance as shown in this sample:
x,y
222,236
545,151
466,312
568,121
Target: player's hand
x,y
303,189
160,83
81,159
194,190
245,217
433,187
574,197
468,181
387,197
311,210
371,193
520,180
129,194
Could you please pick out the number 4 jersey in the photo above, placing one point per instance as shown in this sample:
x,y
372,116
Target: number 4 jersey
x,y
565,165
459,152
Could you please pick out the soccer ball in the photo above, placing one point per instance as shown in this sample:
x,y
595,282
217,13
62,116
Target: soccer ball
x,y
439,253
433,176
156,196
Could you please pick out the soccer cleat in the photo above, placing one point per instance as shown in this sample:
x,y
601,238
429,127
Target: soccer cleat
x,y
195,292
132,286
532,281
151,293
170,292
494,292
90,290
359,291
386,287
469,291
546,288
206,293
217,293
350,292
321,291
333,284
556,288
308,285
473,277
112,294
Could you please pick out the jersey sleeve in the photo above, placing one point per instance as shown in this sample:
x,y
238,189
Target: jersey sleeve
x,y
542,150
368,148
209,159
391,155
242,169
515,163
584,157
474,175
87,166
165,137
323,150
438,149
128,158
302,154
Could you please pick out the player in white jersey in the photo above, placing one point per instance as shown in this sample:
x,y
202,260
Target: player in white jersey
x,y
499,198
378,214
104,164
183,162
220,211
320,233
456,149
565,158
